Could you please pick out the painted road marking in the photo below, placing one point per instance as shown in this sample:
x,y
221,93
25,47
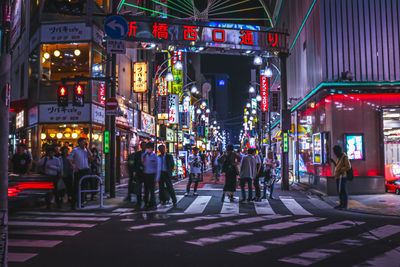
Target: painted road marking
x,y
171,233
320,204
315,255
139,227
208,217
39,218
45,232
162,208
33,243
51,224
216,239
230,207
263,207
20,257
287,224
65,213
198,205
293,206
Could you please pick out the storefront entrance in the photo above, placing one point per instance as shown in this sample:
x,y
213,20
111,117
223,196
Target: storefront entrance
x,y
391,133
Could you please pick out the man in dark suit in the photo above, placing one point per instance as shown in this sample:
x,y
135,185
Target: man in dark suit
x,y
166,163
138,175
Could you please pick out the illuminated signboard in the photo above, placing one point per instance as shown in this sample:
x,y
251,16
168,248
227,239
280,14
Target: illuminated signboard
x,y
148,124
354,146
254,103
169,135
317,148
264,92
162,85
186,103
140,77
177,83
173,109
208,34
102,93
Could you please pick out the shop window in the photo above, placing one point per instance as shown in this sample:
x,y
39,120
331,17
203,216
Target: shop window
x,y
99,59
64,60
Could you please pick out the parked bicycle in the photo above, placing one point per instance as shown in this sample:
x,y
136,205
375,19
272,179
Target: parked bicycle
x,y
277,176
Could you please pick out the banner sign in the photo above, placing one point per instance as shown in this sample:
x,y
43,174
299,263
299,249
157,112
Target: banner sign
x,y
173,109
140,77
254,103
67,32
264,92
169,135
162,86
102,93
148,124
177,83
52,113
209,34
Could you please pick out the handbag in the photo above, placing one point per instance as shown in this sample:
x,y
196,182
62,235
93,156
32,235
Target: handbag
x,y
350,174
60,184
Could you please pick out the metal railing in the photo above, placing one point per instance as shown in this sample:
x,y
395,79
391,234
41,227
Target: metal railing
x,y
80,191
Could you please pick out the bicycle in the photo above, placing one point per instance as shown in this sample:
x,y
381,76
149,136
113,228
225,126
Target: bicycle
x,y
277,176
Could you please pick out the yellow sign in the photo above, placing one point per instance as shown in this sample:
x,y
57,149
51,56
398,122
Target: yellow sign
x,y
140,77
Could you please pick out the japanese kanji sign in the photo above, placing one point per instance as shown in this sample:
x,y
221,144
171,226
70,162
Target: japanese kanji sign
x,y
65,32
173,109
264,92
54,113
148,124
162,86
140,77
207,34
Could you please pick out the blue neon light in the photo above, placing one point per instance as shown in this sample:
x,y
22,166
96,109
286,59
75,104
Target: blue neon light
x,y
221,82
302,25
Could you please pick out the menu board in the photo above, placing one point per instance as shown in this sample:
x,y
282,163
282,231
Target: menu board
x,y
317,148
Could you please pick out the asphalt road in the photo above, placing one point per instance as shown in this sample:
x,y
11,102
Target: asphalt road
x,y
292,230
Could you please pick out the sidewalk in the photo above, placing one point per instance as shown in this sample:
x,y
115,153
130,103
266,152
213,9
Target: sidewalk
x,y
387,204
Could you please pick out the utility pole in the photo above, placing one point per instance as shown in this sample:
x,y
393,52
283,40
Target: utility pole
x,y
5,63
285,123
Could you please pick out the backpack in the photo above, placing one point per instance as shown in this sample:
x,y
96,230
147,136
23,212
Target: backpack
x,y
350,174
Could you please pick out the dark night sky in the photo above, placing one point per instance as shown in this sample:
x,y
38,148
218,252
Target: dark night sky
x,y
238,68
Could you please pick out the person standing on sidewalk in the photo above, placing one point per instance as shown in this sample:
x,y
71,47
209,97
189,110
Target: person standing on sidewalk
x,y
151,174
195,164
21,161
166,165
67,172
79,159
216,166
229,166
269,180
341,168
256,180
248,168
138,176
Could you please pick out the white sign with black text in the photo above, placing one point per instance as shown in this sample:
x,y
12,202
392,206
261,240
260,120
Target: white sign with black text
x,y
116,46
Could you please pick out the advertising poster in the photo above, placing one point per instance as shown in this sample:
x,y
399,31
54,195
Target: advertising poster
x,y
148,124
317,148
354,147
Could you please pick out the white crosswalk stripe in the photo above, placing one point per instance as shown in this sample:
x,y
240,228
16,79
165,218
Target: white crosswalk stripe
x,y
293,206
263,207
230,207
27,229
198,205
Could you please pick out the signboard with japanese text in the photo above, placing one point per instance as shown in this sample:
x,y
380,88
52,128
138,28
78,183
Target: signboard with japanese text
x,y
20,119
186,104
209,34
264,92
148,124
162,86
173,116
176,85
52,113
140,77
169,135
116,46
98,114
51,33
254,103
163,105
102,93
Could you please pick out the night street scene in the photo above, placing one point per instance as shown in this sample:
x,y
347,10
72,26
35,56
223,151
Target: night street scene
x,y
199,133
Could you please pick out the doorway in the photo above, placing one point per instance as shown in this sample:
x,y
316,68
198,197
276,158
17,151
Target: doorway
x,y
391,133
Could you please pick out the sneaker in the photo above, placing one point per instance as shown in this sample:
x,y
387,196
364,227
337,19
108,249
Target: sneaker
x,y
271,197
174,204
186,194
232,199
195,194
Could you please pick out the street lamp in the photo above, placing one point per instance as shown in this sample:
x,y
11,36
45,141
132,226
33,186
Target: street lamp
x,y
208,110
252,90
258,98
169,77
215,122
248,105
204,104
198,111
268,72
253,112
247,112
194,89
178,65
257,60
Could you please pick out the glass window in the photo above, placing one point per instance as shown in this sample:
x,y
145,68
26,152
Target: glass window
x,y
99,59
64,60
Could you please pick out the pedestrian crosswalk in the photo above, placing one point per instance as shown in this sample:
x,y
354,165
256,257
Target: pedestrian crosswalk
x,y
211,204
311,240
30,232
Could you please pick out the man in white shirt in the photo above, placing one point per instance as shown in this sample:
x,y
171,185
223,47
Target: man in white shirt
x,y
256,180
151,174
52,167
195,164
248,169
79,159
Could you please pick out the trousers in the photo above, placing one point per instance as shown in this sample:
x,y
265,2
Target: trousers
x,y
165,186
149,189
243,182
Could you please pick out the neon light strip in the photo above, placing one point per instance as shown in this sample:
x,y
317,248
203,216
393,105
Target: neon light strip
x,y
220,4
302,25
309,95
183,7
120,6
266,11
220,8
153,11
171,7
279,10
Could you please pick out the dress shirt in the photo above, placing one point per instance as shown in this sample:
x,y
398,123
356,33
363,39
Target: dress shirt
x,y
80,158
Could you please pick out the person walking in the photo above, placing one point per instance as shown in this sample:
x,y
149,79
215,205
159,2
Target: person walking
x,y
21,161
248,168
138,175
51,166
95,165
131,170
166,165
216,165
269,180
258,174
150,171
195,164
342,166
67,172
79,159
229,162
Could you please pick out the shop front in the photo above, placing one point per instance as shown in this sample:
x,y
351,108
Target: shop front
x,y
365,124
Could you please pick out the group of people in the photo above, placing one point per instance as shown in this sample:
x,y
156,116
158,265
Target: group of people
x,y
250,168
145,168
63,168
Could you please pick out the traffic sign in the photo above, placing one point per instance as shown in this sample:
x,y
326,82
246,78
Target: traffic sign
x,y
112,103
116,27
116,46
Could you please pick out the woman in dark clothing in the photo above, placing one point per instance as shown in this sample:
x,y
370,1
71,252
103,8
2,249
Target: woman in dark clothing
x,y
67,172
229,165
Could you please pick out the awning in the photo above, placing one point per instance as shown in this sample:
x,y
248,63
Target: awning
x,y
18,105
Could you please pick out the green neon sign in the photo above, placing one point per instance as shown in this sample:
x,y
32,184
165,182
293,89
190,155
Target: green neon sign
x,y
285,142
106,142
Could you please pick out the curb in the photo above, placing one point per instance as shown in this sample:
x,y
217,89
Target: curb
x,y
325,198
